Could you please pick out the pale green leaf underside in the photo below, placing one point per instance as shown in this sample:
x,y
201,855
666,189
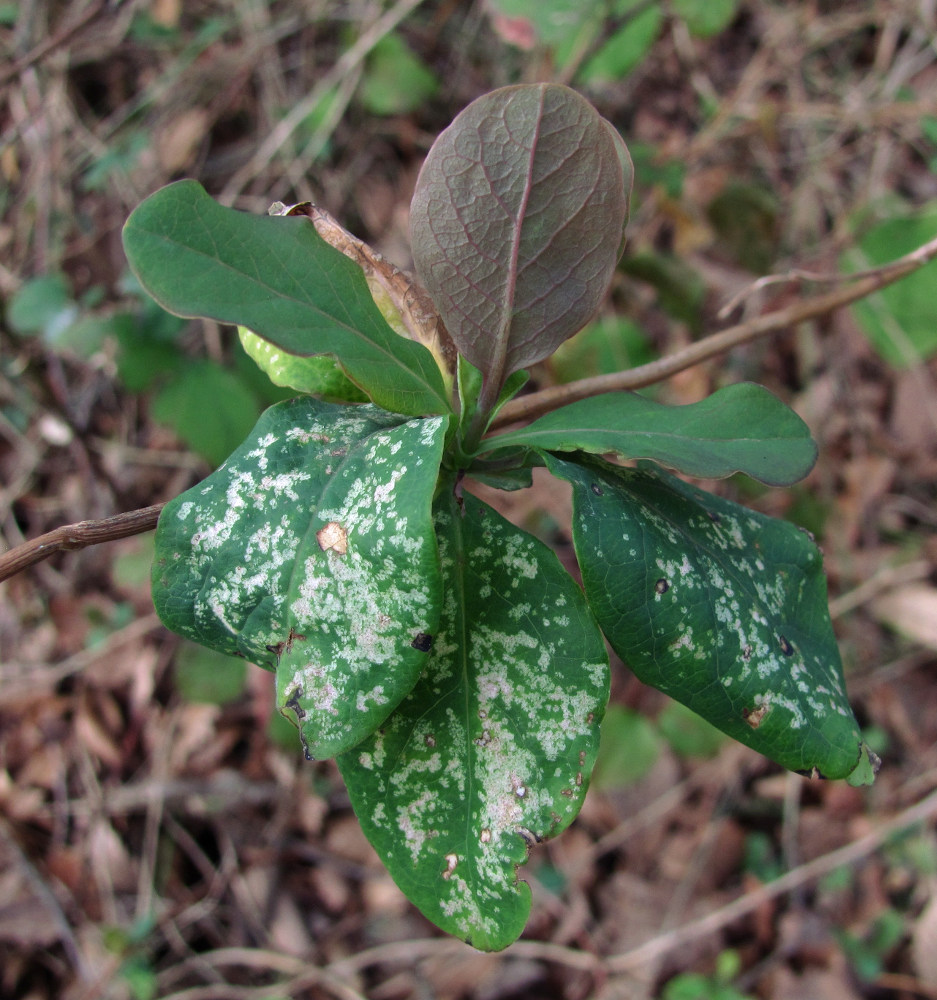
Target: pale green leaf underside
x,y
740,428
494,747
278,277
315,376
722,608
311,551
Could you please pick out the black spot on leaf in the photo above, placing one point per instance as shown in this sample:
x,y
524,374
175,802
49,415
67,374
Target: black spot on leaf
x,y
786,648
422,642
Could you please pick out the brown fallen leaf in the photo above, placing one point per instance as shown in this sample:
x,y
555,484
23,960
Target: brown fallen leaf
x,y
910,610
924,942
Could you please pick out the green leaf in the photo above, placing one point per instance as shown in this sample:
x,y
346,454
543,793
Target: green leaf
x,y
606,345
493,748
720,607
279,278
740,428
311,551
549,22
396,82
706,18
204,675
208,407
43,305
900,321
316,376
625,50
688,734
864,772
516,223
629,748
469,380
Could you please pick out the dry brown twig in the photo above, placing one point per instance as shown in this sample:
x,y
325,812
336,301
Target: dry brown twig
x,y
668,941
538,403
78,536
347,64
85,533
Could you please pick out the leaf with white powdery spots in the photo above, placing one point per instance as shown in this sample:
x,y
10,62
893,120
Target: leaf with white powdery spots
x,y
720,607
493,748
311,551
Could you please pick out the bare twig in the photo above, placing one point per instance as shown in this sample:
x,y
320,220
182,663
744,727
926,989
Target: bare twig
x,y
716,920
414,950
796,276
538,403
302,972
53,42
78,536
43,892
349,61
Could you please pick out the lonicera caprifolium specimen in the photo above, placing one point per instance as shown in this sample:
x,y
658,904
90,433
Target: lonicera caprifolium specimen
x,y
442,654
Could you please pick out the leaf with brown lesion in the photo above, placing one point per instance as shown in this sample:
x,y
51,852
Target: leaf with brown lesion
x,y
403,303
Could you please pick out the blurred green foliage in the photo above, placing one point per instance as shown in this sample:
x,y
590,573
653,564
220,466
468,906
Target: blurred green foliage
x,y
631,742
900,321
210,406
396,81
868,950
615,37
608,344
718,986
628,749
203,675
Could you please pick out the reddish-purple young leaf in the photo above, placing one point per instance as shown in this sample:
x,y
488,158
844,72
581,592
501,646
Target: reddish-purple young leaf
x,y
517,223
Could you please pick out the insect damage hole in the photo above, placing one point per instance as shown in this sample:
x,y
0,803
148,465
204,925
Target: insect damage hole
x,y
451,861
333,536
755,716
662,586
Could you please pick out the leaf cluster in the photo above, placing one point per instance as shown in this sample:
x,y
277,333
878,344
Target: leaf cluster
x,y
442,654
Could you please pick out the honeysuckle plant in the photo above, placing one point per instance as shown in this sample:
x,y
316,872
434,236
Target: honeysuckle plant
x,y
442,654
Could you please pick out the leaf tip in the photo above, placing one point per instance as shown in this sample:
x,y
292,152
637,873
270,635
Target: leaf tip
x,y
866,769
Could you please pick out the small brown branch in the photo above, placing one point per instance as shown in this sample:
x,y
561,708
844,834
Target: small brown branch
x,y
538,403
717,920
78,536
53,42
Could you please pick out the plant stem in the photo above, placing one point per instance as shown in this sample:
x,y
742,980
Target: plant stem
x,y
78,536
538,403
487,401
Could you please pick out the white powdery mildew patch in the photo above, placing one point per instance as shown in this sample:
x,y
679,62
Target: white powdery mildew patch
x,y
374,759
366,700
415,820
355,608
750,635
519,559
469,906
516,674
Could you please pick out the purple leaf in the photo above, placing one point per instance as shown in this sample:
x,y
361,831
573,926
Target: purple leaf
x,y
517,223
